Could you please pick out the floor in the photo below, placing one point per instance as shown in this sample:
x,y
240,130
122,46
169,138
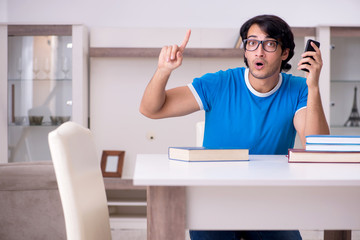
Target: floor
x,y
141,235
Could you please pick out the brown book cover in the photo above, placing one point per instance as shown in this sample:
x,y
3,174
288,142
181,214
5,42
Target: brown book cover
x,y
304,156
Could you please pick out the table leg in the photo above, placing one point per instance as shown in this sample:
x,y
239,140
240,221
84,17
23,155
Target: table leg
x,y
337,235
166,213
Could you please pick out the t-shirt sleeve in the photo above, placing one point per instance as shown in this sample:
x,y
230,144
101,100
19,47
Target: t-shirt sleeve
x,y
303,95
204,89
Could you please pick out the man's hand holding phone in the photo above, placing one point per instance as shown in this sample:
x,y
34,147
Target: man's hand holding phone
x,y
311,62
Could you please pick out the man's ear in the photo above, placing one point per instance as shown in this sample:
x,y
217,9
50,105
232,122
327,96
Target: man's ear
x,y
285,54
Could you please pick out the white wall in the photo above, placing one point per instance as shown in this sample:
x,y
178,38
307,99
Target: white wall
x,y
116,85
185,13
3,10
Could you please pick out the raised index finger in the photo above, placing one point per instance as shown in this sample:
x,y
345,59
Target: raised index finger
x,y
185,41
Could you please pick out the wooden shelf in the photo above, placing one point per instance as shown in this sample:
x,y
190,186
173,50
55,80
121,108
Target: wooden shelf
x,y
121,184
39,30
303,31
189,52
128,221
345,31
154,52
129,202
121,217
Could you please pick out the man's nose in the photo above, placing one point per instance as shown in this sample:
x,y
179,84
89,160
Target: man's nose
x,y
260,50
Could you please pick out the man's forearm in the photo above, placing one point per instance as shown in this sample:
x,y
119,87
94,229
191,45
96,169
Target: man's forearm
x,y
315,117
154,96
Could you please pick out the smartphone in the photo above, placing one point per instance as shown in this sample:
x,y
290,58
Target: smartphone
x,y
309,48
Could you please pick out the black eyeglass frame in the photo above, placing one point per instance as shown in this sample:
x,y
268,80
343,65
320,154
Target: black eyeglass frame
x,y
262,44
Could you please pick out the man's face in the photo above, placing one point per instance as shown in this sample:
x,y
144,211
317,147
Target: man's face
x,y
263,64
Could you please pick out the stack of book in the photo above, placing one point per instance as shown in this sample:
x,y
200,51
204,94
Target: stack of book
x,y
333,143
328,148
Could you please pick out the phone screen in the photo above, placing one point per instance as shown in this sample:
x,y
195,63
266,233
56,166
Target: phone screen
x,y
309,48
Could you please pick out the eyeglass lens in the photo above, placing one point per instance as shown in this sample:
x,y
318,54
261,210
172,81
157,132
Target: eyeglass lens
x,y
268,45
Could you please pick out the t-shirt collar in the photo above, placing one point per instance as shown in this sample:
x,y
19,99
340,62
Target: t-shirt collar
x,y
259,94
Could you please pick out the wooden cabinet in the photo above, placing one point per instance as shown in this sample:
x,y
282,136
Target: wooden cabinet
x,y
44,82
340,75
345,79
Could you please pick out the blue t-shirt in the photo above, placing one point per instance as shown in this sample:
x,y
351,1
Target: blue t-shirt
x,y
237,116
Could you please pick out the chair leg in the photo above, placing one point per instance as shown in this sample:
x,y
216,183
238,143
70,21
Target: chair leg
x,y
337,235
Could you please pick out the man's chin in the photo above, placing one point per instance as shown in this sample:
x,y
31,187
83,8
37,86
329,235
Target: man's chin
x,y
259,74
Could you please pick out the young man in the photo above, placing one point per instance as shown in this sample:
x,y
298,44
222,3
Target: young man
x,y
257,108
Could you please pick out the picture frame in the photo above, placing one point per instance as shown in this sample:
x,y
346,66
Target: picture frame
x,y
112,163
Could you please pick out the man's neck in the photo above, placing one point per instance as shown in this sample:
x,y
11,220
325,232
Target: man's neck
x,y
263,85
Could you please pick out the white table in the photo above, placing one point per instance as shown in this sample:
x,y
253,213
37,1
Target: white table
x,y
263,193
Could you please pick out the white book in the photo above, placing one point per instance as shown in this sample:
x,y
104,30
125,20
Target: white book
x,y
333,147
336,139
199,154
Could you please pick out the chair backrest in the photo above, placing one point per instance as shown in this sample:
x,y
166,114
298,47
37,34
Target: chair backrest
x,y
80,182
200,127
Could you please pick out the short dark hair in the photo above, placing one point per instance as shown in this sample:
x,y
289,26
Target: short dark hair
x,y
276,28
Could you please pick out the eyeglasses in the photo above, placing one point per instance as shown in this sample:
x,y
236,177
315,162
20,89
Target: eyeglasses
x,y
253,44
